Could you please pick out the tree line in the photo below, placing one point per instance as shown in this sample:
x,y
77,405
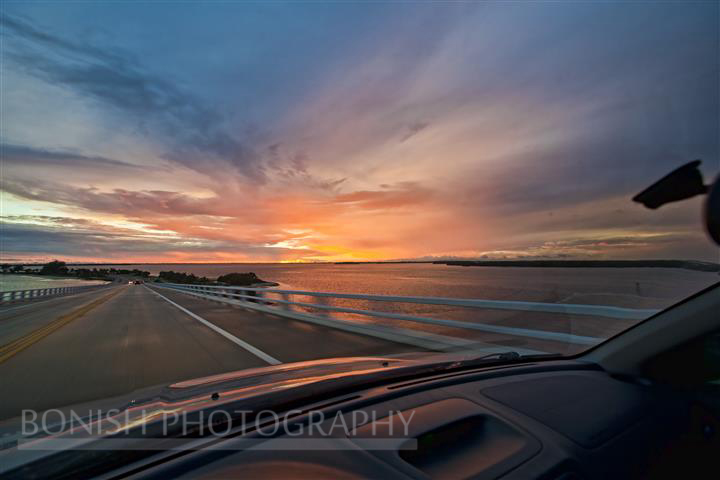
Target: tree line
x,y
60,269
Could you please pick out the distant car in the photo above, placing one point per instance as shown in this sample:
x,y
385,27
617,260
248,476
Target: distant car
x,y
130,282
138,282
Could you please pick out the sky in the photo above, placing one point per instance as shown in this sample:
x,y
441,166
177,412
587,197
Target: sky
x,y
327,131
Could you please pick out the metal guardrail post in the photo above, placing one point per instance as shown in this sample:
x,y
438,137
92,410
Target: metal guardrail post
x,y
324,302
285,306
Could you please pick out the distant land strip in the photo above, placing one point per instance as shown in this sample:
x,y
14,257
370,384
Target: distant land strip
x,y
696,265
686,264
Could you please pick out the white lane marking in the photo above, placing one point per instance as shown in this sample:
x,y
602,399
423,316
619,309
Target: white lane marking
x,y
254,350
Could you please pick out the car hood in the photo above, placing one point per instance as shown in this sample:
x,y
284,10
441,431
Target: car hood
x,y
265,385
276,388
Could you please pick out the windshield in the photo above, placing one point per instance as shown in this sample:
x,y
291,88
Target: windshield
x,y
193,190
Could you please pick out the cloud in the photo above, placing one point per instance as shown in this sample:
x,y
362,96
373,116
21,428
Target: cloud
x,y
48,220
292,169
121,201
393,196
195,132
413,129
23,155
630,244
79,238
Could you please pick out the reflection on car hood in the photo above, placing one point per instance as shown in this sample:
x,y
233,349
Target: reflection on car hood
x,y
268,383
260,388
272,376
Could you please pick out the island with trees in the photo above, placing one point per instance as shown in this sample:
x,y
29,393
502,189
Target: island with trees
x,y
60,269
248,279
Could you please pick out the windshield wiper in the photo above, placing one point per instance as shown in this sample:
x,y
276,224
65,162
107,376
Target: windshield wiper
x,y
509,355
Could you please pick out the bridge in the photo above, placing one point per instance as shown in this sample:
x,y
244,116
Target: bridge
x,y
74,345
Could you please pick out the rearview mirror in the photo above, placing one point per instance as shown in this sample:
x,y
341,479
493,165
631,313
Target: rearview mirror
x,y
680,184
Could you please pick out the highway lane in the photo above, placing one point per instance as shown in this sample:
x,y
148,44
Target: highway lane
x,y
18,319
135,339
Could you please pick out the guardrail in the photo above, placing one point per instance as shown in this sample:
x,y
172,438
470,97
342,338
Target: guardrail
x,y
281,302
21,295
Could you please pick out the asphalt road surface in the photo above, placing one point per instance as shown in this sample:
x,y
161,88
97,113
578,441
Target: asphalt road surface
x,y
107,343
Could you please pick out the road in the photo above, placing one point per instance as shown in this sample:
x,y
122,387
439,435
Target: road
x,y
107,343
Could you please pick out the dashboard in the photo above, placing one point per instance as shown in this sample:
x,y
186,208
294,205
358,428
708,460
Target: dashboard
x,y
551,420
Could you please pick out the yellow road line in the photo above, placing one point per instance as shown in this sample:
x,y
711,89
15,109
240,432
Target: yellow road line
x,y
16,346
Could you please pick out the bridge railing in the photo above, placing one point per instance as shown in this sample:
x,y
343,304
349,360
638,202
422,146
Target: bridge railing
x,y
23,295
294,304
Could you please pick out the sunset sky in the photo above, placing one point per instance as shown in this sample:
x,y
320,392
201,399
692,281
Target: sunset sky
x,y
250,132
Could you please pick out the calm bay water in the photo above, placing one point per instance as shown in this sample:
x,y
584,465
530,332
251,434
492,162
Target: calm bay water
x,y
10,282
627,287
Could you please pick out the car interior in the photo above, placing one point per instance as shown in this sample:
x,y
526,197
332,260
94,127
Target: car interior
x,y
215,138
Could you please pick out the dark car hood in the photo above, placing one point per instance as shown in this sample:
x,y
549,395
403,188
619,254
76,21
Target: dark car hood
x,y
292,387
274,387
270,384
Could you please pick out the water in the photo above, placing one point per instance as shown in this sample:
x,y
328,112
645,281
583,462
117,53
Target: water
x,y
623,287
10,282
